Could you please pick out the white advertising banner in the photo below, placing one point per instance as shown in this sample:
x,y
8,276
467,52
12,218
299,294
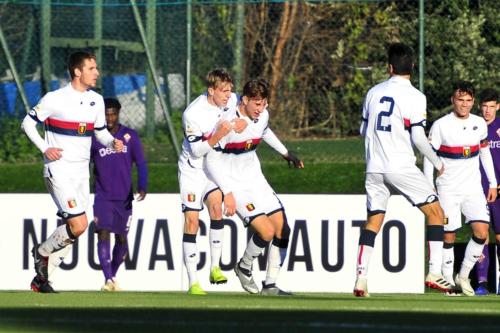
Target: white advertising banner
x,y
321,254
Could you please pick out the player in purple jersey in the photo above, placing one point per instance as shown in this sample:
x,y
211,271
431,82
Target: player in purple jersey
x,y
489,105
113,192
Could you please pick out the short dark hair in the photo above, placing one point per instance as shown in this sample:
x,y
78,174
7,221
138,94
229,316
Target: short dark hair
x,y
257,88
488,95
218,76
463,87
400,56
76,60
112,103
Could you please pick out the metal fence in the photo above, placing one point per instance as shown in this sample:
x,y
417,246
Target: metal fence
x,y
320,57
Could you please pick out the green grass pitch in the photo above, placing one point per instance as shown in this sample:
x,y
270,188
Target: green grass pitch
x,y
238,312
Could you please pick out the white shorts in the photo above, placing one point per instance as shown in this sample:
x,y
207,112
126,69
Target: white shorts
x,y
412,185
258,200
472,205
194,187
70,195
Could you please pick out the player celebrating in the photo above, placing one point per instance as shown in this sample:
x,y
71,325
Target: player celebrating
x,y
489,105
235,167
394,116
71,115
460,139
113,192
199,120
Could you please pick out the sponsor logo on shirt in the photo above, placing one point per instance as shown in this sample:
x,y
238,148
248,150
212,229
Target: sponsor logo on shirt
x,y
72,203
109,151
127,137
82,128
191,197
250,207
92,103
494,144
498,132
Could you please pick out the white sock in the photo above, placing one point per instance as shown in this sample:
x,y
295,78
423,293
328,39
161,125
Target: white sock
x,y
435,257
56,258
254,248
191,260
216,237
363,259
447,265
59,239
473,252
274,263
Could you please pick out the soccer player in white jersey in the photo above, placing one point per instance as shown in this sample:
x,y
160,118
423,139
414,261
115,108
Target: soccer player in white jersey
x,y
235,168
71,116
460,139
199,120
394,117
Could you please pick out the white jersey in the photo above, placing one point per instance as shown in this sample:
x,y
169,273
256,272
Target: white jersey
x,y
390,109
199,121
234,162
70,118
457,142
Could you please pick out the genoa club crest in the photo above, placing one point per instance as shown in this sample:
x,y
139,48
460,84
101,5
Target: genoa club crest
x,y
250,207
82,128
466,152
191,197
248,145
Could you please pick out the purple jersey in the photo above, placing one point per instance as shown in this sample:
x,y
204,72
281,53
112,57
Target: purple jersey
x,y
494,140
113,171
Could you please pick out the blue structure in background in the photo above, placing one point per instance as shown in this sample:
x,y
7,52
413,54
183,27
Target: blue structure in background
x,y
112,86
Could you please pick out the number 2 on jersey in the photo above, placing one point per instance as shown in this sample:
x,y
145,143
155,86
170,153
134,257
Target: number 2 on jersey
x,y
387,127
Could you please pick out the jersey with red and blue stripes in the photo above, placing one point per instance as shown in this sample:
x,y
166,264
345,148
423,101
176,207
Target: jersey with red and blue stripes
x,y
70,118
457,142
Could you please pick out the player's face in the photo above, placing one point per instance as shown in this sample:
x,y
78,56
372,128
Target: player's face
x,y
254,106
220,95
462,104
111,118
489,110
88,73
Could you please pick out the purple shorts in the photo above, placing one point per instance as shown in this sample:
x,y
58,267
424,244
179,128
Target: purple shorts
x,y
114,216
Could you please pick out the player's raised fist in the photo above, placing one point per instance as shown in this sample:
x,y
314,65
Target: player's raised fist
x,y
239,124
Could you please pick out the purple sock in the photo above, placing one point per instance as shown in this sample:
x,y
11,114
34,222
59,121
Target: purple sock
x,y
482,266
119,253
104,258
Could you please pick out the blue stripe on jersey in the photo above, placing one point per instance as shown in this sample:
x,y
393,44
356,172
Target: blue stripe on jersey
x,y
421,123
70,132
456,156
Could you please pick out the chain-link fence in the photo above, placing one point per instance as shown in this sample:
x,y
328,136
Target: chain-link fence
x,y
320,57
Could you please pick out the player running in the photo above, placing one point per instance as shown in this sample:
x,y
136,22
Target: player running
x,y
394,116
460,139
71,116
235,168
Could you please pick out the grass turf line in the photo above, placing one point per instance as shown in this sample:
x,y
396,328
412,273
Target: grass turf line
x,y
239,312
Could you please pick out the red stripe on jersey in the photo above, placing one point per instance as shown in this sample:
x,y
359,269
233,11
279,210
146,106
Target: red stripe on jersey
x,y
68,124
407,123
458,149
246,145
485,143
206,137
